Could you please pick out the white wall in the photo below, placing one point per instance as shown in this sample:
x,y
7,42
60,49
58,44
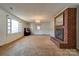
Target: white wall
x,y
77,28
2,27
45,28
52,25
4,36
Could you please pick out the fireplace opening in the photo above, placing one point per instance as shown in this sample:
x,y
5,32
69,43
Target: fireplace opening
x,y
59,33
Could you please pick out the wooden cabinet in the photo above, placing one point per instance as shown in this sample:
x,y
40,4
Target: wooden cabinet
x,y
69,27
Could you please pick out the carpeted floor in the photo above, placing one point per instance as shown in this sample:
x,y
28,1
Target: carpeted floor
x,y
35,46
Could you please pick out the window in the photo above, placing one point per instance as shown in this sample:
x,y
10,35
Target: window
x,y
20,27
9,25
14,26
38,27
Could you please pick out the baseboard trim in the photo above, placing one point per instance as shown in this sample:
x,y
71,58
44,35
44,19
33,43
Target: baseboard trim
x,y
41,34
11,42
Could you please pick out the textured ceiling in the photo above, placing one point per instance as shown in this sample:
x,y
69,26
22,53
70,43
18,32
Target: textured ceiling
x,y
35,11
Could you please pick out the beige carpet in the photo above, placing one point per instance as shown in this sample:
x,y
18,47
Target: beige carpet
x,y
35,46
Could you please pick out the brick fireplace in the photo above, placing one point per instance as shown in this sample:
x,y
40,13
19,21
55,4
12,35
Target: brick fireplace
x,y
65,34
